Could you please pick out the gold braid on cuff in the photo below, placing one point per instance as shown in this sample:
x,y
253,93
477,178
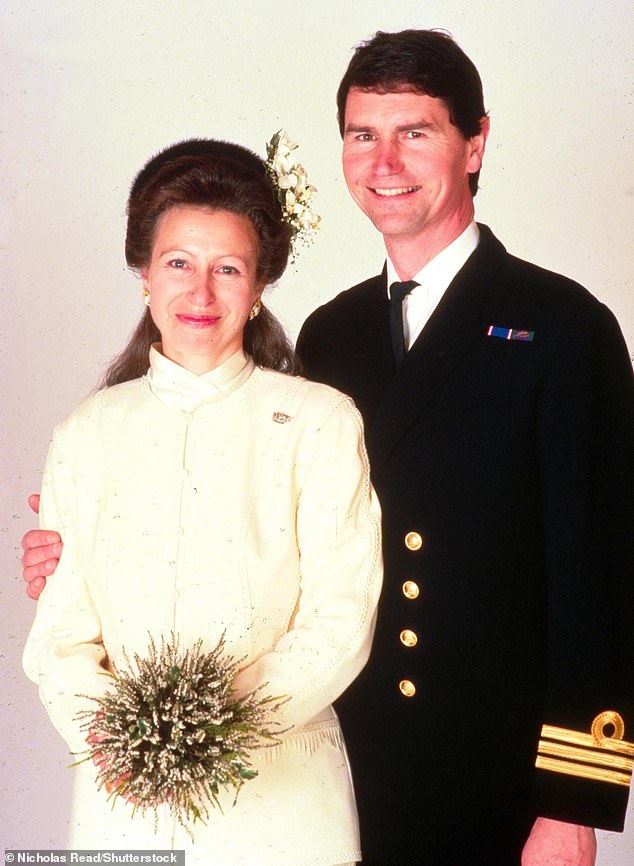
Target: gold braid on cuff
x,y
598,756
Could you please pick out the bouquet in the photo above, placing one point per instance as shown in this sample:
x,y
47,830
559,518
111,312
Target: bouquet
x,y
171,730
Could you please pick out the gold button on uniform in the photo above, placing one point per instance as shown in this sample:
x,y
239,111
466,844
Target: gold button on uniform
x,y
411,589
413,541
409,637
407,688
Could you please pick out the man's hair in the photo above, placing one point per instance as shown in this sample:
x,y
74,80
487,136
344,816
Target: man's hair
x,y
423,61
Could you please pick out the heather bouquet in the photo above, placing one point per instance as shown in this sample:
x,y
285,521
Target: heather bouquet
x,y
172,730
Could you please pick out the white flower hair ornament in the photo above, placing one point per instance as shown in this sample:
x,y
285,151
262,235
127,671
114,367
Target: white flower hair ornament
x,y
294,192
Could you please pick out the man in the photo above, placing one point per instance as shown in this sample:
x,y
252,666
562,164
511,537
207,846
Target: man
x,y
497,397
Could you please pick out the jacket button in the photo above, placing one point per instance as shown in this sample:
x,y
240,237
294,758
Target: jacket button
x,y
407,688
411,589
409,637
413,541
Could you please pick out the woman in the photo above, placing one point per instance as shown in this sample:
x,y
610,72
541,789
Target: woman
x,y
206,492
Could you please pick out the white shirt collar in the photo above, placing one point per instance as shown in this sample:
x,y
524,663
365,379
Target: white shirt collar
x,y
181,389
433,280
440,271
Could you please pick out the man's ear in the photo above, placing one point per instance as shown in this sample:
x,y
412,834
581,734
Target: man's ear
x,y
478,145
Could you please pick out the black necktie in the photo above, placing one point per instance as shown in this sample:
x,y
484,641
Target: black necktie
x,y
397,293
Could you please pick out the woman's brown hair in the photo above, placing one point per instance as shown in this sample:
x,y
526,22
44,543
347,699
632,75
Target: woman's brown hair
x,y
221,176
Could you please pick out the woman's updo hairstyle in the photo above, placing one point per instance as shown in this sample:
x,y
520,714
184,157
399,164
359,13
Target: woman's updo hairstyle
x,y
214,174
218,175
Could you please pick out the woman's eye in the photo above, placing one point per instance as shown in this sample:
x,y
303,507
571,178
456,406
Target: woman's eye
x,y
227,269
177,263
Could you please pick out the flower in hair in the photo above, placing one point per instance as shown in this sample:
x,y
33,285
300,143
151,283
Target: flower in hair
x,y
294,192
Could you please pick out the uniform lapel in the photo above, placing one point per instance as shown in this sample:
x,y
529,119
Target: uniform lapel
x,y
454,325
371,343
367,368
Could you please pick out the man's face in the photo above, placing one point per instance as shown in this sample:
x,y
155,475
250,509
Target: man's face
x,y
406,165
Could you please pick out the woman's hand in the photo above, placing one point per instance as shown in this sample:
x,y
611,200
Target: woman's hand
x,y
102,762
42,550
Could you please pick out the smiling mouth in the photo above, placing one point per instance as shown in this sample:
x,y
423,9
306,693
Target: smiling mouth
x,y
399,190
197,321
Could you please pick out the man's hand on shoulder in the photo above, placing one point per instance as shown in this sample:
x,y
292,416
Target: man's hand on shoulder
x,y
42,550
556,843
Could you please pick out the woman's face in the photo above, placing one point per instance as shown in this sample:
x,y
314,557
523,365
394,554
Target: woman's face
x,y
202,284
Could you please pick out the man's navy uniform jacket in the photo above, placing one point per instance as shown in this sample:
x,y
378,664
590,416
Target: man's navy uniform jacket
x,y
501,681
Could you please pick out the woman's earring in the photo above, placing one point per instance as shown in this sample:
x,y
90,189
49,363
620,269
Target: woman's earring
x,y
255,309
146,297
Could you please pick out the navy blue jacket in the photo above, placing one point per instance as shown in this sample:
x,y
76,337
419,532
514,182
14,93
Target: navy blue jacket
x,y
504,442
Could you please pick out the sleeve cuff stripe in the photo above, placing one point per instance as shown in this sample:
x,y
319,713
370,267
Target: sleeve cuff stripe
x,y
576,738
586,756
583,771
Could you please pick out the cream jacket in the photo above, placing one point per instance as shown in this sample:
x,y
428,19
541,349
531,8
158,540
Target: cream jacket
x,y
239,500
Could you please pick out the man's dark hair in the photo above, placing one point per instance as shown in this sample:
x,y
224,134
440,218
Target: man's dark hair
x,y
425,61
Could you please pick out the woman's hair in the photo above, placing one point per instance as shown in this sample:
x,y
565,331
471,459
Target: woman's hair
x,y
221,176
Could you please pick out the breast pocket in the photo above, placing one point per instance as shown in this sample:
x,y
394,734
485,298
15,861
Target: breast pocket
x,y
492,374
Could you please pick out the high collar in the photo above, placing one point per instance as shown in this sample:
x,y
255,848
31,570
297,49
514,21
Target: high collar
x,y
181,389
